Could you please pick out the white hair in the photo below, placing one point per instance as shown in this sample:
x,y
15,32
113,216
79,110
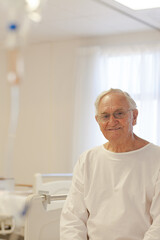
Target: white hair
x,y
131,102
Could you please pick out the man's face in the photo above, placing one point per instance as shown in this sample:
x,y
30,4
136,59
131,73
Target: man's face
x,y
115,117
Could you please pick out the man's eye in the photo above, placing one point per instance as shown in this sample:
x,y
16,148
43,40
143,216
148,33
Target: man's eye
x,y
106,116
119,114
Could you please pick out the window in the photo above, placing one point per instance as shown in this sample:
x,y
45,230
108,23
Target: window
x,y
135,70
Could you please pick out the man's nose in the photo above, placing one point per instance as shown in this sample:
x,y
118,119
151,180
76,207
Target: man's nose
x,y
112,119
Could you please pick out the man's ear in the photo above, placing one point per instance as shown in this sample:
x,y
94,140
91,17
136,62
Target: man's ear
x,y
96,117
135,115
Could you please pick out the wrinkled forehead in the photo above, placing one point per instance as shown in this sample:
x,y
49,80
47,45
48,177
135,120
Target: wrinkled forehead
x,y
112,102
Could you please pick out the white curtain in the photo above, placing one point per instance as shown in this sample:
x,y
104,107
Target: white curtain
x,y
88,82
132,69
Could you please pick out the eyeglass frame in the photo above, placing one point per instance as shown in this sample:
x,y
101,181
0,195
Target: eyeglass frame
x,y
102,117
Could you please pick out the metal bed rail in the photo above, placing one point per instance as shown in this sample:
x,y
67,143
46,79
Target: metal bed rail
x,y
49,198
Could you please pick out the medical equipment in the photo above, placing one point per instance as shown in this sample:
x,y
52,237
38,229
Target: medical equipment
x,y
39,215
18,16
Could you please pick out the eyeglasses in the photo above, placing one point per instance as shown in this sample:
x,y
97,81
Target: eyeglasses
x,y
119,114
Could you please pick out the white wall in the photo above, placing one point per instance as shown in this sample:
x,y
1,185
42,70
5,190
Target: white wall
x,y
43,140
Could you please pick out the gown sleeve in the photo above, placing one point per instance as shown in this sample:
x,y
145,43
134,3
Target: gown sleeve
x,y
74,213
153,233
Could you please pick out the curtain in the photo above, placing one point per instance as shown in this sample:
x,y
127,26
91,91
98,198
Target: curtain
x,y
88,86
132,69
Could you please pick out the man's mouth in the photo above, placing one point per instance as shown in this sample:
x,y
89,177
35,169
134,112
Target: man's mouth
x,y
114,129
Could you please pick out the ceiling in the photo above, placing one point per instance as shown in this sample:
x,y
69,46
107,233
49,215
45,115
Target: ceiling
x,y
85,18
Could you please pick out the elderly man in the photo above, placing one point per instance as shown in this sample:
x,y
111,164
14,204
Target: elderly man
x,y
115,192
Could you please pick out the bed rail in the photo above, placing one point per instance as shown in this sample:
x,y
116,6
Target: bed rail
x,y
49,198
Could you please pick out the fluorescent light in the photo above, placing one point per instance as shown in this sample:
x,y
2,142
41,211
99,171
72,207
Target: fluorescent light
x,y
33,4
36,17
140,4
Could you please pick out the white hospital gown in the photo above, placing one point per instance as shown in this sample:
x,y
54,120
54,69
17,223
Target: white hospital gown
x,y
114,196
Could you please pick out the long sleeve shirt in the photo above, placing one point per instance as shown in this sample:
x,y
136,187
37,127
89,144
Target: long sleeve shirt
x,y
114,196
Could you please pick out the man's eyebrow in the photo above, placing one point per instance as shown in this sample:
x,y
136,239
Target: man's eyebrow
x,y
103,113
119,109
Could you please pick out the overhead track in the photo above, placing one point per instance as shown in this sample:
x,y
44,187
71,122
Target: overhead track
x,y
106,4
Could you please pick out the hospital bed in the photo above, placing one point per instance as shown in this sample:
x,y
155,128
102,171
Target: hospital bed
x,y
42,210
